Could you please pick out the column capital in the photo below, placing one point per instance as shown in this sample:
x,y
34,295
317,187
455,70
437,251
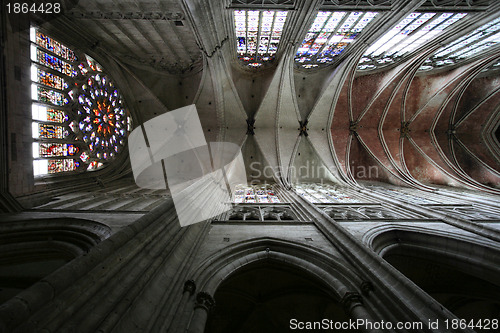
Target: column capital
x,y
350,300
204,300
366,287
190,287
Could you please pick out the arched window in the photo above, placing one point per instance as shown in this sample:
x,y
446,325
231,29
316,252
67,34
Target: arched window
x,y
258,34
80,122
407,36
468,46
324,193
255,194
329,35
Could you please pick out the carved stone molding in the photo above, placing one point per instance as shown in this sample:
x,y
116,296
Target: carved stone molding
x,y
190,287
303,128
350,300
405,129
260,213
360,3
366,287
284,4
116,15
250,126
205,301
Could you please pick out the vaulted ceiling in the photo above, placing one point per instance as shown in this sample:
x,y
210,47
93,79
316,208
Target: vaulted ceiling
x,y
154,33
410,128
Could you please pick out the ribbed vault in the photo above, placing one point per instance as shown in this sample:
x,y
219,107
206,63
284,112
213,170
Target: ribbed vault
x,y
407,127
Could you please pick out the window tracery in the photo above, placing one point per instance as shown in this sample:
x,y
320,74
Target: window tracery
x,y
258,213
409,34
323,193
255,194
466,47
258,35
467,212
260,3
329,35
365,212
405,194
79,120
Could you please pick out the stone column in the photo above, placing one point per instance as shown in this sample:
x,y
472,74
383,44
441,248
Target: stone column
x,y
353,306
188,291
204,302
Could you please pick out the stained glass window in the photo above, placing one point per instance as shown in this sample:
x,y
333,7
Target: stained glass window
x,y
468,46
48,79
94,165
52,45
104,123
79,120
49,131
55,166
404,195
323,193
48,96
44,166
41,149
93,64
409,34
329,35
44,113
255,194
258,35
50,61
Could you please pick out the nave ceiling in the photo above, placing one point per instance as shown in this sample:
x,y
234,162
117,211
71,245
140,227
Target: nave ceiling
x,y
407,127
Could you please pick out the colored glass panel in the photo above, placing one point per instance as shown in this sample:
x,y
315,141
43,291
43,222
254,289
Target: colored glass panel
x,y
49,131
43,113
407,36
52,45
98,120
84,156
56,166
470,45
40,76
46,95
323,193
329,35
83,69
255,194
94,165
105,121
258,35
94,65
53,62
54,149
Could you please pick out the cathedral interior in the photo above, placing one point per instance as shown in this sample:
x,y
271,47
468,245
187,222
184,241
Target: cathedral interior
x,y
369,131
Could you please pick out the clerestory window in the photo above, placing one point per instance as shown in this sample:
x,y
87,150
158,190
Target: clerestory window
x,y
407,36
469,46
329,35
258,35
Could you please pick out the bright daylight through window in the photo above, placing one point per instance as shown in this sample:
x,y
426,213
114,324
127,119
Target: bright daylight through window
x,y
407,36
258,35
79,120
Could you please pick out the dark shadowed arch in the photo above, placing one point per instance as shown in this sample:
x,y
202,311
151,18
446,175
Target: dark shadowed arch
x,y
460,273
